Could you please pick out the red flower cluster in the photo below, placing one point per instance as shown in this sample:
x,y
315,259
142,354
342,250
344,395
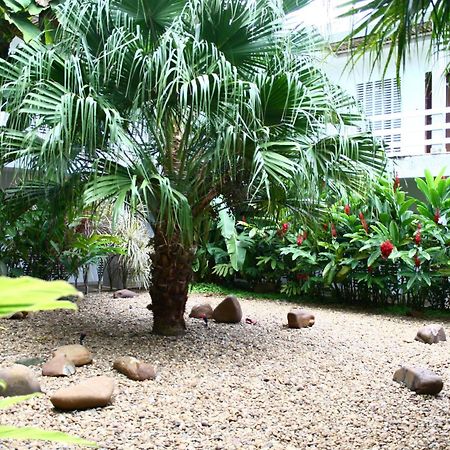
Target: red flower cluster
x,y
285,227
418,235
396,183
302,276
333,230
302,237
386,248
363,222
437,215
416,260
347,209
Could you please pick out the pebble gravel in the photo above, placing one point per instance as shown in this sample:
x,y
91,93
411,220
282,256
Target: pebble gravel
x,y
241,386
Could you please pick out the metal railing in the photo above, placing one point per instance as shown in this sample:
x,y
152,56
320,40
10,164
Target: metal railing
x,y
414,133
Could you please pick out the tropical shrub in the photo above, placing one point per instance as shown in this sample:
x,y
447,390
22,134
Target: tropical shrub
x,y
386,248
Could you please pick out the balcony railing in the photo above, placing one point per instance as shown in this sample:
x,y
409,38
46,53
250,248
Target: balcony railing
x,y
415,132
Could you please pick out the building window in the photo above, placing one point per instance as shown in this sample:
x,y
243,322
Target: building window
x,y
381,102
428,105
447,113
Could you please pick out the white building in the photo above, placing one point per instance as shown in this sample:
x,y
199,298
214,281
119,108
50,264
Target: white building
x,y
412,118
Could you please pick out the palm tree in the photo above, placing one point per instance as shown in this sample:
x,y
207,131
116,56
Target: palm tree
x,y
183,107
397,24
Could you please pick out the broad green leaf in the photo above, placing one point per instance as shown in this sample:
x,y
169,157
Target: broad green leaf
x,y
32,294
28,433
10,401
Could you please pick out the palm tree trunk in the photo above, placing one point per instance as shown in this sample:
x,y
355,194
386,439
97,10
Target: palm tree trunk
x,y
171,275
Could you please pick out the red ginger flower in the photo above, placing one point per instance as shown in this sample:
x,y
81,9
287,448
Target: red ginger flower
x,y
437,215
299,239
333,230
285,227
386,248
302,276
363,222
347,209
396,182
416,260
418,236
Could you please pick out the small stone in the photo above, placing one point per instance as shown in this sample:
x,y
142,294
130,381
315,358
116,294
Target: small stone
x,y
431,334
91,393
422,381
20,380
58,366
124,293
300,318
19,315
228,311
134,368
30,361
202,311
76,353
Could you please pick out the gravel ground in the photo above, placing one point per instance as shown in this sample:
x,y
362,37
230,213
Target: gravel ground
x,y
238,386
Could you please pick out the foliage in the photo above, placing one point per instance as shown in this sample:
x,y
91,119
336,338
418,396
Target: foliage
x,y
134,232
43,235
397,24
377,249
31,294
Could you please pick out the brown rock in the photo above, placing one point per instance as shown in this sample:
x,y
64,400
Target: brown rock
x,y
228,311
300,318
124,293
91,393
20,380
134,368
76,353
422,381
19,315
58,366
202,311
431,334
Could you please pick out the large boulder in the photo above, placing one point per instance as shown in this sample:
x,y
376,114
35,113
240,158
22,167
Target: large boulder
x,y
422,381
91,393
124,293
76,353
20,380
134,368
431,334
300,318
203,311
58,366
228,311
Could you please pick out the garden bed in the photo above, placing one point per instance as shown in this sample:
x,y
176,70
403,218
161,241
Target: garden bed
x,y
238,386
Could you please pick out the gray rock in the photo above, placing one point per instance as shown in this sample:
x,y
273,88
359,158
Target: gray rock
x,y
420,380
300,318
76,353
124,293
431,334
91,393
20,380
228,311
